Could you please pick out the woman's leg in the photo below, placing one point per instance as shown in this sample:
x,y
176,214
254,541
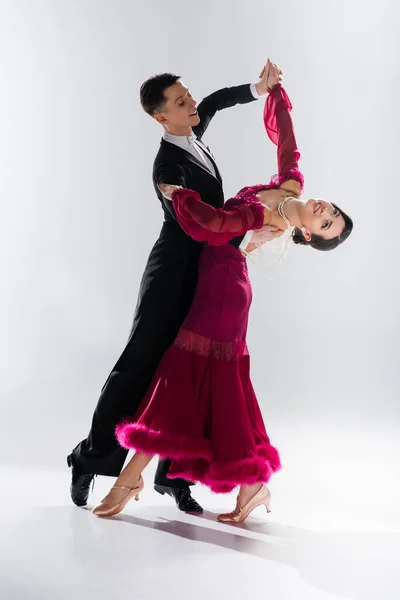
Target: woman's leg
x,y
131,474
250,496
247,492
128,485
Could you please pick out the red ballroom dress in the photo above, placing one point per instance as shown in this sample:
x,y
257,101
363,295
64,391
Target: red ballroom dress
x,y
200,410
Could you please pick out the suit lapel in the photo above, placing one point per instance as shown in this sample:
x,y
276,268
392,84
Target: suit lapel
x,y
200,164
207,151
196,161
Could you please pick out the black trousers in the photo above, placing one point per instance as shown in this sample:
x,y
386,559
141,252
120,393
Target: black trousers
x,y
100,452
164,300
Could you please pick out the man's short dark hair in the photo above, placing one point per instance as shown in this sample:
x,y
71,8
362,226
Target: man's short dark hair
x,y
152,91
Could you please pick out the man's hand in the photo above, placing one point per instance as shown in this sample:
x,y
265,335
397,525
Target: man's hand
x,y
270,75
265,234
167,189
274,75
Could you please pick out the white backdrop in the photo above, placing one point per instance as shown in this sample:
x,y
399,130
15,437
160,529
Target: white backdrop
x,y
79,214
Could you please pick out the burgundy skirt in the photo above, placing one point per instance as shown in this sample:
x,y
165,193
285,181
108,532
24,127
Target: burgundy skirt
x,y
200,409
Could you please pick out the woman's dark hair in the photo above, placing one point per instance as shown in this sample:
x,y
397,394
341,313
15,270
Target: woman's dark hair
x,y
152,92
320,243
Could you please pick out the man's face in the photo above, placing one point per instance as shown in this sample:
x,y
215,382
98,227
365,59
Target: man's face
x,y
180,110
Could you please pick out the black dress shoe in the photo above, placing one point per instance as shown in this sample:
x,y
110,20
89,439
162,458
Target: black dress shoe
x,y
80,484
182,497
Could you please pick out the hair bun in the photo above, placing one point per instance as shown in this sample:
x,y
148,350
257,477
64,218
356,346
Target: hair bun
x,y
298,237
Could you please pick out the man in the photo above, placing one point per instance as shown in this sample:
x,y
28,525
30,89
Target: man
x,y
169,279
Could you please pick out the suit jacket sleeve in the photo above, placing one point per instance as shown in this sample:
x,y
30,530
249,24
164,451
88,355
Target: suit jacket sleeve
x,y
219,100
173,174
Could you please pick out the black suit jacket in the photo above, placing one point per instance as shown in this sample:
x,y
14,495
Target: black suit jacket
x,y
176,166
170,276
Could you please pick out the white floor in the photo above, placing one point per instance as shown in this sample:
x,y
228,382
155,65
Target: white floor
x,y
334,533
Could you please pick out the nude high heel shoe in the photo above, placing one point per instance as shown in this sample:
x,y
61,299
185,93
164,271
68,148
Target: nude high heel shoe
x,y
240,514
116,499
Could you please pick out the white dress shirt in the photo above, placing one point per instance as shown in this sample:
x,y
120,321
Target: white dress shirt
x,y
190,144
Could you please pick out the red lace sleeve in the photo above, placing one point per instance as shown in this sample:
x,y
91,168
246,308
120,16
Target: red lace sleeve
x,y
217,226
279,126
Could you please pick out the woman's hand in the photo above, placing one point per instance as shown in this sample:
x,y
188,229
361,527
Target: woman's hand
x,y
168,189
264,86
274,76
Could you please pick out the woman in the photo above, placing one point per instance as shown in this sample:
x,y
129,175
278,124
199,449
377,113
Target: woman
x,y
201,410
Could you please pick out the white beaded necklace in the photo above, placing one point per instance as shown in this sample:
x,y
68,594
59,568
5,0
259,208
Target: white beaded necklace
x,y
289,239
281,213
281,249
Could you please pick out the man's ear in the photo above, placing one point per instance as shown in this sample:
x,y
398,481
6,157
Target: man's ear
x,y
159,117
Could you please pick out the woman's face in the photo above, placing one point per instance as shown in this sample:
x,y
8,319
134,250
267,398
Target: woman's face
x,y
319,217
